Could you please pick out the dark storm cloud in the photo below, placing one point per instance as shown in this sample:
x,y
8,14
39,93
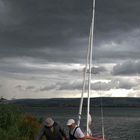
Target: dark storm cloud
x,y
127,68
48,87
114,50
117,21
45,24
44,88
19,87
98,70
73,85
30,87
26,88
116,15
49,29
41,40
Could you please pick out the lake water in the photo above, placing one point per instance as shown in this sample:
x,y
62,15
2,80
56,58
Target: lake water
x,y
119,123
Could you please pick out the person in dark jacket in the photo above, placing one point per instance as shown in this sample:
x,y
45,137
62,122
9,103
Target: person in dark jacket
x,y
52,131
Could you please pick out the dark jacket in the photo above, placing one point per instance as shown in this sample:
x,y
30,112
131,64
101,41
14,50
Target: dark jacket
x,y
57,133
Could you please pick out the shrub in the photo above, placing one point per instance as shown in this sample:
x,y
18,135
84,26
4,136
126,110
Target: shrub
x,y
9,114
28,127
9,119
15,125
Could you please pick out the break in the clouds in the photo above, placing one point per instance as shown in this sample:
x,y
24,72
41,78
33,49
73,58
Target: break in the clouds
x,y
102,85
43,47
121,83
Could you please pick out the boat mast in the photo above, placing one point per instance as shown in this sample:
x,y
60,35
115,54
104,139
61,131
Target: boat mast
x,y
90,66
83,88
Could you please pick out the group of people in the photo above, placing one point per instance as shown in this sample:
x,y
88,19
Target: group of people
x,y
53,131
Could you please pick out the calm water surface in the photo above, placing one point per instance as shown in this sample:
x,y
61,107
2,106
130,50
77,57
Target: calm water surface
x,y
119,123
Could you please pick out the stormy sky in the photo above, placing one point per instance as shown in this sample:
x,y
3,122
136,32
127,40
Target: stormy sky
x,y
43,47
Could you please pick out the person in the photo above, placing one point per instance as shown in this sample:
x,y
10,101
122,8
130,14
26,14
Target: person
x,y
52,131
75,132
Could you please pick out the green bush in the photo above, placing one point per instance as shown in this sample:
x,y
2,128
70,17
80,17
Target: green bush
x,y
15,125
28,127
9,114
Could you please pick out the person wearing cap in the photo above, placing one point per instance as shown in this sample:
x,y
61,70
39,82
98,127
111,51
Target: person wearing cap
x,y
52,131
75,133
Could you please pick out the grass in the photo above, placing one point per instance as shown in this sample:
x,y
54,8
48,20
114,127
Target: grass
x,y
16,125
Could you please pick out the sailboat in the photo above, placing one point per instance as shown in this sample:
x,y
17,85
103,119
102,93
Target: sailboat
x,y
87,73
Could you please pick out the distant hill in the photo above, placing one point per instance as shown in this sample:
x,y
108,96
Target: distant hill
x,y
72,102
3,100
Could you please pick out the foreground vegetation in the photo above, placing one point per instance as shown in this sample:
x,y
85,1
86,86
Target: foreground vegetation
x,y
14,125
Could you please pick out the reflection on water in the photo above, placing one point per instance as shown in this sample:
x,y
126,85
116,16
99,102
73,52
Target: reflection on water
x,y
119,123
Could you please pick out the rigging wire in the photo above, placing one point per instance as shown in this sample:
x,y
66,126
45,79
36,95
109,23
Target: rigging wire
x,y
102,112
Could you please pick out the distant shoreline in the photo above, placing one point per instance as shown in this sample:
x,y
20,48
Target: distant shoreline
x,y
74,102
